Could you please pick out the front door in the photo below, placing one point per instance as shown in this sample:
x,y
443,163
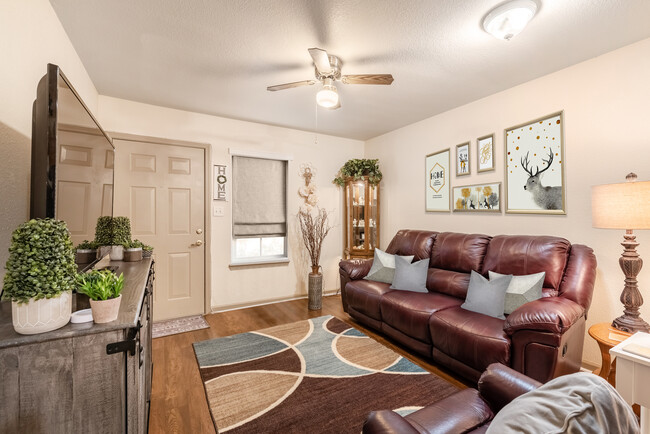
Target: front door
x,y
161,188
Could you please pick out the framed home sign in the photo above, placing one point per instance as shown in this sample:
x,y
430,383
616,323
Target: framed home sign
x,y
479,197
462,159
485,153
534,166
436,186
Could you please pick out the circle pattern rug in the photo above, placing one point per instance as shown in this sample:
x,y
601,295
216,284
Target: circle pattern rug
x,y
320,376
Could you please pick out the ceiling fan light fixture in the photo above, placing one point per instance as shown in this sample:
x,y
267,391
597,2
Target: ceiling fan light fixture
x,y
509,19
328,96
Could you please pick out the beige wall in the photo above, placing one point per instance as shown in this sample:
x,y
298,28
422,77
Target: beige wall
x,y
606,103
31,36
232,287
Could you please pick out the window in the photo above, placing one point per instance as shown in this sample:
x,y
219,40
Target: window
x,y
259,197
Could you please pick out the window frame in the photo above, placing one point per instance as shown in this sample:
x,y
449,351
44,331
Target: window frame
x,y
267,259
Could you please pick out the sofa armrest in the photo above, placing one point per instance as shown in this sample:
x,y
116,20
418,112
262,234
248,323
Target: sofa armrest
x,y
500,384
387,422
549,314
355,268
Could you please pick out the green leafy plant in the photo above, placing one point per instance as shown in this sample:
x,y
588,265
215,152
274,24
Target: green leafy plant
x,y
357,168
147,248
86,245
100,284
112,231
133,244
41,261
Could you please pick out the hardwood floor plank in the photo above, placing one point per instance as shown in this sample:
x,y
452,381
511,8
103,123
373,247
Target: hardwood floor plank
x,y
178,403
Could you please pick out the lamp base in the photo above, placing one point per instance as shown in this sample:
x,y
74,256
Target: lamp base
x,y
630,324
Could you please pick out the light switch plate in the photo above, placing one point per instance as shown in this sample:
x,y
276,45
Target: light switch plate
x,y
218,210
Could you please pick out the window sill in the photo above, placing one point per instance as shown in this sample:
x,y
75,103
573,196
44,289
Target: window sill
x,y
261,261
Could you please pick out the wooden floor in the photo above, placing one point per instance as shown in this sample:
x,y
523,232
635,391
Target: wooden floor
x,y
178,403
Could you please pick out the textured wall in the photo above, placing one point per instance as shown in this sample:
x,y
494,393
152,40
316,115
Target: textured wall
x,y
31,36
606,112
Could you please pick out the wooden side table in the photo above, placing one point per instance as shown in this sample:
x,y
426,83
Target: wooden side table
x,y
607,338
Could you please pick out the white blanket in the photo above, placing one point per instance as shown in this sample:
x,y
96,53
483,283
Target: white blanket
x,y
578,404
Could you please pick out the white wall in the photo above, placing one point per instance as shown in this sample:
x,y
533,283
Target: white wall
x,y
31,36
606,114
238,286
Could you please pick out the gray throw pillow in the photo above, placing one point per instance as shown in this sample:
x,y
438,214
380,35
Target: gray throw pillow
x,y
521,290
486,296
383,267
410,277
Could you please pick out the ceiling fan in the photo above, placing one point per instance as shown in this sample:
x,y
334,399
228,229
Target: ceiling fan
x,y
328,70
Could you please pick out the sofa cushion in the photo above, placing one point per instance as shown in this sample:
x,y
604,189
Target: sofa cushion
x,y
469,337
448,282
364,296
410,277
409,312
487,296
519,255
383,267
411,242
459,252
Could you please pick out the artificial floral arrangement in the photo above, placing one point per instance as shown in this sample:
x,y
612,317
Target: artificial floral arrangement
x,y
357,168
314,223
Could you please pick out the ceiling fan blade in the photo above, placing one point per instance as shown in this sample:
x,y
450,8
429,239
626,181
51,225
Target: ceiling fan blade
x,y
290,85
321,60
367,79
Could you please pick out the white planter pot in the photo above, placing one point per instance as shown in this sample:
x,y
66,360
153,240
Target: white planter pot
x,y
117,253
40,316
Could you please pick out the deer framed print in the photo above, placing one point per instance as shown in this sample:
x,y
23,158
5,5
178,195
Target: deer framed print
x,y
462,159
480,197
437,181
485,153
535,166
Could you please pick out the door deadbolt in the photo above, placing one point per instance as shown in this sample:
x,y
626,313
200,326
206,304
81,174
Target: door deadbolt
x,y
199,231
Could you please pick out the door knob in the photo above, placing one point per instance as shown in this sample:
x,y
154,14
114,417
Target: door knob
x,y
199,243
199,231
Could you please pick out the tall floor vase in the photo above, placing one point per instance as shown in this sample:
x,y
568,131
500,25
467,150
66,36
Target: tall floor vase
x,y
315,289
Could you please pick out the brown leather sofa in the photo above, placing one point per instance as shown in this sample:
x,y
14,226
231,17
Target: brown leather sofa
x,y
542,339
469,410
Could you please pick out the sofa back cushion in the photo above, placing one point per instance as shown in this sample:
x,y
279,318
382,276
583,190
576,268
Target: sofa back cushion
x,y
453,257
459,252
526,254
409,242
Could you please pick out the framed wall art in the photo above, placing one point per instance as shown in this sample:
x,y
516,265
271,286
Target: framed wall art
x,y
485,153
535,166
479,197
462,159
437,181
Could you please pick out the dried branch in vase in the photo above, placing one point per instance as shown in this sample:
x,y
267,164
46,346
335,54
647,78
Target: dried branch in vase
x,y
314,226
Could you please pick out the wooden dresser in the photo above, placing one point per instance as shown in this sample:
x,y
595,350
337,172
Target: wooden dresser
x,y
88,378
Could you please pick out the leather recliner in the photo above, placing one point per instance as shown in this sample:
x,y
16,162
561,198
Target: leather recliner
x,y
542,339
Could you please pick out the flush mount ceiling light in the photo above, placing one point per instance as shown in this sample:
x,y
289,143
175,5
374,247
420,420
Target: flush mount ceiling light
x,y
509,19
328,96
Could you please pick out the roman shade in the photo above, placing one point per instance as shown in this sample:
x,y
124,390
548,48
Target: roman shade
x,y
259,197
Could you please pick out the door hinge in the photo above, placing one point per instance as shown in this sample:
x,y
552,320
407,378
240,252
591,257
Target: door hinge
x,y
123,346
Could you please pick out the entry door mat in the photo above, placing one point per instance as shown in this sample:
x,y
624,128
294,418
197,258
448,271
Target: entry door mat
x,y
178,325
314,376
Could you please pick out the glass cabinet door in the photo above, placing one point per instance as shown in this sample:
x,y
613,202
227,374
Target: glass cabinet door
x,y
362,218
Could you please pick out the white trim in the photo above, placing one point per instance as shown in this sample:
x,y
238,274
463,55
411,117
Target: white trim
x,y
266,303
258,154
260,260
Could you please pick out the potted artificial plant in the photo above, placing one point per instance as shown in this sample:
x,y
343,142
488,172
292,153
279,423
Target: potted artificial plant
x,y
147,251
113,233
133,251
40,276
85,252
357,169
104,289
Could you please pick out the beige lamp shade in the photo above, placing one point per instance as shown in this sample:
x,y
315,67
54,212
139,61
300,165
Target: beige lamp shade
x,y
621,206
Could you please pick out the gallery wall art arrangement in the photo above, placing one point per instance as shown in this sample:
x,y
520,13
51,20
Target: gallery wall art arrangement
x,y
534,172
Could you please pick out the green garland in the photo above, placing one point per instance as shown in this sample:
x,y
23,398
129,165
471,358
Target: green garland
x,y
357,169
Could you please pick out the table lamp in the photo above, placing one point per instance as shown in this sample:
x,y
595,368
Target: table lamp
x,y
625,206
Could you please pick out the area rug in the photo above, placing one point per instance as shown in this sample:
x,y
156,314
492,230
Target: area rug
x,y
314,376
178,325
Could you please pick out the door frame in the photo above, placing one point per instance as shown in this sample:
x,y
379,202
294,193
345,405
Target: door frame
x,y
207,179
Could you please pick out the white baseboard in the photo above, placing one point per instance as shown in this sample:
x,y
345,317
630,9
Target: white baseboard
x,y
265,302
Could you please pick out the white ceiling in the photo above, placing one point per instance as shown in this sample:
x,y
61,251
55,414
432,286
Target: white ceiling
x,y
218,56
